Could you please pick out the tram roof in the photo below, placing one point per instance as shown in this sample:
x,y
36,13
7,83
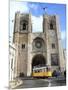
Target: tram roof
x,y
35,68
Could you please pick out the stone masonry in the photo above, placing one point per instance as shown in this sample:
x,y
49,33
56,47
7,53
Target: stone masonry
x,y
37,48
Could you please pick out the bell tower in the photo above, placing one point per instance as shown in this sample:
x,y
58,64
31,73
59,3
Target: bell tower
x,y
51,29
22,27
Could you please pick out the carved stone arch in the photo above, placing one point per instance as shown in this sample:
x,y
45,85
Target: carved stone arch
x,y
38,60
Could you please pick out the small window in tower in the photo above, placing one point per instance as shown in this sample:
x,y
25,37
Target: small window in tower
x,y
51,26
24,26
23,46
53,45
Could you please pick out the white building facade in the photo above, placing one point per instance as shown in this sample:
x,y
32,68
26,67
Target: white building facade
x,y
12,61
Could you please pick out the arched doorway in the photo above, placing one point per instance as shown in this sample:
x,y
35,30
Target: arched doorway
x,y
38,60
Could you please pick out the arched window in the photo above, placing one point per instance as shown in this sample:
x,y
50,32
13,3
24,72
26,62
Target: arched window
x,y
51,25
23,25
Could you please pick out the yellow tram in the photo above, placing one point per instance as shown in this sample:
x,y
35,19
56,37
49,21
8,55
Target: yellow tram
x,y
41,72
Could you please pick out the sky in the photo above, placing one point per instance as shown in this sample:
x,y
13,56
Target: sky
x,y
36,9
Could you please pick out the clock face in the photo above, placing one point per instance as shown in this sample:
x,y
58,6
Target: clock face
x,y
38,44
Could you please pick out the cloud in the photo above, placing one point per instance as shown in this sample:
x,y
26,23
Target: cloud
x,y
14,7
33,6
63,35
37,23
63,38
18,6
22,7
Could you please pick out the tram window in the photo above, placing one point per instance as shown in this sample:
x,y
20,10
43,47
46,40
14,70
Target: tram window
x,y
35,71
38,71
44,70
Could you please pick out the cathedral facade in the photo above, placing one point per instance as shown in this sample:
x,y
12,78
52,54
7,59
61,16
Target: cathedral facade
x,y
37,48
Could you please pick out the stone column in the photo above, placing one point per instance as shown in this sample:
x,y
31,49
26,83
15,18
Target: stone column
x,y
60,49
29,61
45,27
